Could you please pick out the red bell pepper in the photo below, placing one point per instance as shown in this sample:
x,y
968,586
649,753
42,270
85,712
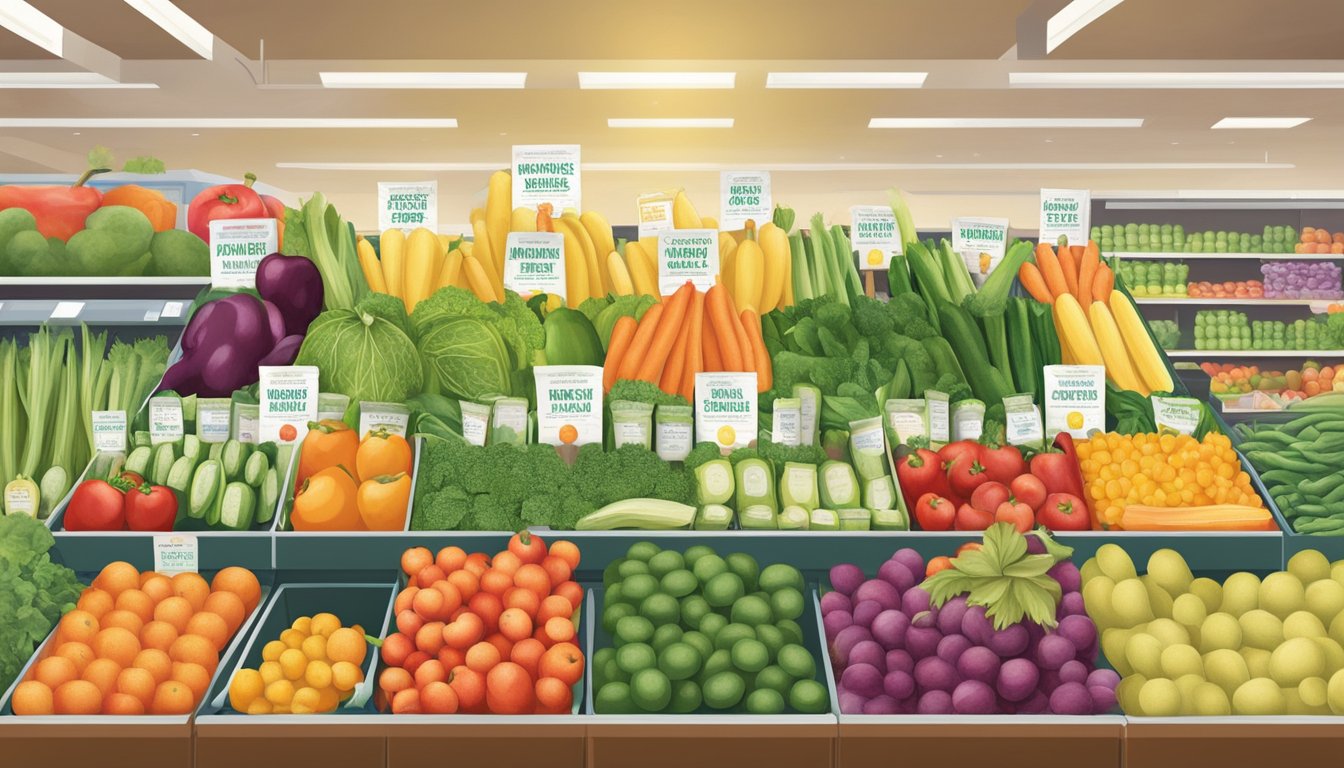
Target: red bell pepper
x,y
60,211
225,201
919,473
1059,470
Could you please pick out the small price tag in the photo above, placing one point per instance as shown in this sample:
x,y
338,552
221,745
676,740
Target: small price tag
x,y
687,254
744,195
655,212
176,553
109,431
67,310
165,419
171,309
237,246
151,316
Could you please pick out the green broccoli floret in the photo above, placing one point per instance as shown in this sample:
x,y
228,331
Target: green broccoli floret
x,y
803,337
742,454
491,513
871,317
700,453
592,306
834,316
643,392
778,454
955,389
440,510
910,315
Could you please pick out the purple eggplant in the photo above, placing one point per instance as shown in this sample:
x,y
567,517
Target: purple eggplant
x,y
294,286
284,352
275,321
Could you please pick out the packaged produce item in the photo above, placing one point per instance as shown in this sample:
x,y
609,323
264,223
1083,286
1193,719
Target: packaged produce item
x,y
569,406
1075,399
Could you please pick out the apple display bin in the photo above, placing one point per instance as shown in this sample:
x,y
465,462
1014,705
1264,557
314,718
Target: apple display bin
x,y
351,735
143,741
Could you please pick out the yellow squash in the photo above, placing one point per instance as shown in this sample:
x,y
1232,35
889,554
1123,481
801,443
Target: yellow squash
x,y
597,286
684,215
483,253
1118,366
392,244
775,250
576,267
644,279
1147,360
748,270
498,211
368,264
1074,328
621,284
421,248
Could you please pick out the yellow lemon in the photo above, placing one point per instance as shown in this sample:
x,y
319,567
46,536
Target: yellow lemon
x,y
293,663
314,647
280,693
270,671
272,650
727,435
303,624
345,676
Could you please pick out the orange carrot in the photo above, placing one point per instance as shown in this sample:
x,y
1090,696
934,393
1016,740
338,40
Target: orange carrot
x,y
1087,270
1068,264
1050,270
670,381
669,326
751,322
743,340
724,329
1102,283
622,333
639,346
544,223
711,359
1031,279
694,348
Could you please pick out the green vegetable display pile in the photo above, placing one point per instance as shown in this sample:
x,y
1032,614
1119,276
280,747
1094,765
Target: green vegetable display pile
x,y
34,591
695,632
1173,237
1154,278
1167,333
227,486
1299,464
117,240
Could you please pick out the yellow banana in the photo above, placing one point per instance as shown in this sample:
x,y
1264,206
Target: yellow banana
x,y
523,220
576,267
787,299
368,264
727,260
392,244
445,242
477,214
498,212
748,270
478,279
707,222
421,247
597,286
482,252
637,263
775,249
451,274
621,284
684,215
599,230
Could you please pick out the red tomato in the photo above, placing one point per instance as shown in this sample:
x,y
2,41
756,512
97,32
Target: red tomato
x,y
988,496
965,473
150,508
934,513
1029,490
528,548
971,519
1064,512
95,506
1016,513
1003,463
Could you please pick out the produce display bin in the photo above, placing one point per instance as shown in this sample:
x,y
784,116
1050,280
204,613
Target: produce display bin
x,y
351,735
1184,741
153,740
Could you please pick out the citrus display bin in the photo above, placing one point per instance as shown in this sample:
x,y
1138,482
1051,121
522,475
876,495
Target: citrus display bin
x,y
707,737
349,736
153,740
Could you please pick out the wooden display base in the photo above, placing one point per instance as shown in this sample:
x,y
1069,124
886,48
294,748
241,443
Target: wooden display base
x,y
313,740
1188,741
728,740
1014,741
522,742
126,742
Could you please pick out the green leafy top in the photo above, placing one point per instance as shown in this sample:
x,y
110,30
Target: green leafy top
x,y
144,164
1001,576
34,591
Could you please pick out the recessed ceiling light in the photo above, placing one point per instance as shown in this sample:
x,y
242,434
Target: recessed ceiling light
x,y
845,79
1006,122
1070,19
177,23
446,80
65,81
227,122
1260,122
670,122
638,80
1176,79
33,25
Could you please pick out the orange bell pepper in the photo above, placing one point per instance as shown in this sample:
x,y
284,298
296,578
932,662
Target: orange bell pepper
x,y
329,443
60,211
161,212
383,453
327,502
382,501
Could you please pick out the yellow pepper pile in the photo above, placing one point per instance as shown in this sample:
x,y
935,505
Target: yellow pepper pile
x,y
1160,471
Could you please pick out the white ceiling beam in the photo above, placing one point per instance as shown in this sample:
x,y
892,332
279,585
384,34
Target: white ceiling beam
x,y
1048,23
26,21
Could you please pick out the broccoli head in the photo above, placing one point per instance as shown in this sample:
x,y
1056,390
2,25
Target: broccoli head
x,y
643,392
956,389
833,315
910,315
872,319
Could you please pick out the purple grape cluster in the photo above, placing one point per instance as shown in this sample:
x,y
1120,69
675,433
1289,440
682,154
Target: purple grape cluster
x,y
1302,280
895,654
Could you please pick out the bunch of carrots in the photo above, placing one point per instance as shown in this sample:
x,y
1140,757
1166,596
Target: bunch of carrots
x,y
1077,270
687,333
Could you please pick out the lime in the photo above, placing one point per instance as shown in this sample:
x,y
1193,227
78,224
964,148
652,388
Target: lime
x,y
614,594
786,603
730,634
634,657
792,632
633,629
751,610
661,609
716,662
712,624
779,575
685,697
679,661
637,587
795,660
602,656
664,636
614,699
774,678
749,655
723,590
708,567
695,553
679,583
746,568
612,573
699,642
723,690
693,609
772,637
611,671
642,550
650,689
765,701
808,696
614,613
665,562
631,567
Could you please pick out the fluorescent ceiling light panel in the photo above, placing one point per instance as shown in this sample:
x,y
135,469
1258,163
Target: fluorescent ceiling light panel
x,y
1260,122
226,122
33,25
64,80
177,23
853,80
655,80
1070,19
1140,80
706,167
1006,122
670,122
458,80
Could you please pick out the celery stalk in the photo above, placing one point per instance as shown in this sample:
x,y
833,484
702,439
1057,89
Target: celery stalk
x,y
904,221
9,409
42,377
802,271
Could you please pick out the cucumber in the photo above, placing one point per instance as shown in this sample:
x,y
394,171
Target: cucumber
x,y
234,458
55,484
270,496
643,514
216,451
212,512
179,476
140,438
237,507
754,483
254,471
890,520
162,462
794,518
855,519
206,484
194,449
138,460
714,482
713,517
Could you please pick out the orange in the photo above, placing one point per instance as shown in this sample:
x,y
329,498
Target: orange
x,y
117,577
192,587
172,698
406,702
508,690
194,649
559,629
78,626
488,606
345,676
95,601
429,672
527,653
567,551
175,610
137,682
496,582
240,582
136,602
123,704
404,598
469,686
116,644
535,578
102,673
158,634
467,583
157,586
211,627
515,624
450,558
55,670
395,679
31,698
77,697
228,607
483,656
557,569
571,591
555,605
506,561
523,599
245,688
80,653
438,698
346,644
554,696
464,631
194,676
121,618
563,660
414,559
155,662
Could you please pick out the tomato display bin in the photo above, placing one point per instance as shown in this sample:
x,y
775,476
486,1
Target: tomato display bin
x,y
152,740
349,736
708,737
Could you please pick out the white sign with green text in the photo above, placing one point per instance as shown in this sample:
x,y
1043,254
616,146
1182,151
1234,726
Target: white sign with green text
x,y
288,395
237,246
981,243
687,254
655,212
408,204
547,173
744,195
873,233
1065,212
534,262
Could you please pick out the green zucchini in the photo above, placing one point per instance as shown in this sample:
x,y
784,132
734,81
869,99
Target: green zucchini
x,y
164,456
138,460
179,476
234,458
270,496
713,517
194,449
254,471
1025,365
944,359
207,483
237,507
641,514
962,333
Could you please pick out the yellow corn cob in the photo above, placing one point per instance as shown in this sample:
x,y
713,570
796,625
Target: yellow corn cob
x,y
482,252
368,263
478,279
1148,363
596,285
1073,325
644,280
621,284
727,263
684,215
392,244
451,274
748,270
707,222
523,220
576,266
421,248
775,250
498,212
1118,366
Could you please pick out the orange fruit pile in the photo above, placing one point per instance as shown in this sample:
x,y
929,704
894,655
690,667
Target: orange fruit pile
x,y
138,643
311,668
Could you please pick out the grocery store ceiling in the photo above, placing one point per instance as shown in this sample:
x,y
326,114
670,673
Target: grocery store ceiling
x,y
817,141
